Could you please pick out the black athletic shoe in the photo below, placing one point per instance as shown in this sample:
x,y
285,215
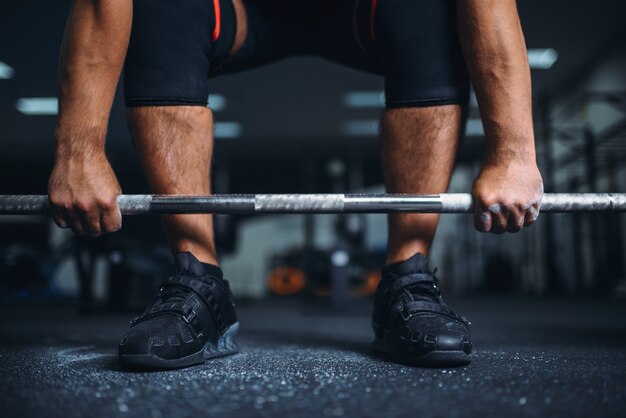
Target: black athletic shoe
x,y
191,320
411,321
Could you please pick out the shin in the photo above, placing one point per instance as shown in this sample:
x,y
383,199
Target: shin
x,y
418,149
175,144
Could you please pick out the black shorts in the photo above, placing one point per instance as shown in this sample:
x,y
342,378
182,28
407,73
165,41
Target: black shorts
x,y
178,45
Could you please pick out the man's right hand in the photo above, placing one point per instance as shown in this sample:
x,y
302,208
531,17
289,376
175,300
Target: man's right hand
x,y
83,193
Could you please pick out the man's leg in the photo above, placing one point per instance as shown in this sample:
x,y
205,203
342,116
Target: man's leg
x,y
414,44
192,319
410,319
418,150
175,144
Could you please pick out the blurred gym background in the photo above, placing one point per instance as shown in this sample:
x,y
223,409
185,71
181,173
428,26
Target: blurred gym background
x,y
304,126
546,305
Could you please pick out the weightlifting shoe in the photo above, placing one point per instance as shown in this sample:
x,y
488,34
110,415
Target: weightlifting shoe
x,y
191,320
412,323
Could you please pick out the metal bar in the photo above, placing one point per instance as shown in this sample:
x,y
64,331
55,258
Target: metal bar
x,y
317,203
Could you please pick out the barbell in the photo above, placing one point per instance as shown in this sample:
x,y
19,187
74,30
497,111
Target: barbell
x,y
317,203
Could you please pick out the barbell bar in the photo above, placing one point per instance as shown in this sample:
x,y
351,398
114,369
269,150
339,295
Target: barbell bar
x,y
317,203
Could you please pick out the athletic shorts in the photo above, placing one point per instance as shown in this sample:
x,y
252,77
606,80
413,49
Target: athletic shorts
x,y
177,46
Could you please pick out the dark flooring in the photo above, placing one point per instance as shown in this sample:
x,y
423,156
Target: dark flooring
x,y
543,358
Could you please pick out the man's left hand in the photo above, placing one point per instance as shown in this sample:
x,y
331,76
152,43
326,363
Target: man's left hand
x,y
508,195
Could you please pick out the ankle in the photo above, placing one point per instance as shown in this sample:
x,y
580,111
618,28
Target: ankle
x,y
204,254
397,253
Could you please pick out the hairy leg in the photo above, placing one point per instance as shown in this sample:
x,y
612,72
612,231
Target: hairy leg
x,y
175,144
418,149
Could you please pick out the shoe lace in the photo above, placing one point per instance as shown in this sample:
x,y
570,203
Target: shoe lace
x,y
172,292
424,290
430,292
169,293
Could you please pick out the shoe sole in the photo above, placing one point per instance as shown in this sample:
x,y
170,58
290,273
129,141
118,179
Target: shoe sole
x,y
434,358
226,346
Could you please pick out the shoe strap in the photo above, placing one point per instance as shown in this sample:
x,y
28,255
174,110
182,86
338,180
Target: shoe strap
x,y
424,281
401,283
408,309
212,292
186,309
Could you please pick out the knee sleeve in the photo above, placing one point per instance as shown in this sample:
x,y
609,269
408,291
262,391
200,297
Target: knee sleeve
x,y
171,48
420,53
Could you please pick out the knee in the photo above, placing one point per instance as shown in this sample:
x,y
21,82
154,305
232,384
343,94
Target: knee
x,y
183,118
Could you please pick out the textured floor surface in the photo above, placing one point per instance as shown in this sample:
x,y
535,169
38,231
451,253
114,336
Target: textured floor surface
x,y
532,359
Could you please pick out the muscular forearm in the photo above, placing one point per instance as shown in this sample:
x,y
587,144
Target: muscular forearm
x,y
495,51
92,55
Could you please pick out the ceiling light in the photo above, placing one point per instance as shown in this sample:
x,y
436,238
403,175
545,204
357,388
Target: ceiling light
x,y
364,99
365,127
217,102
542,59
370,127
474,128
38,105
6,71
473,99
225,130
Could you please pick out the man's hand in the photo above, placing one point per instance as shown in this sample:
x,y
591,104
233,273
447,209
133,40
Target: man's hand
x,y
508,195
83,192
509,189
82,186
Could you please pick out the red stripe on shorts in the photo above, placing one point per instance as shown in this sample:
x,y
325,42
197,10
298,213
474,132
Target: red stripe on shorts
x,y
218,20
373,14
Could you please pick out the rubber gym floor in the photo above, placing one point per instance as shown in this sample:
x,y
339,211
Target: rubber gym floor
x,y
533,358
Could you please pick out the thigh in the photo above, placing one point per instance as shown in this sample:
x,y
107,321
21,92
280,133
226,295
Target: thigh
x,y
417,44
271,34
168,59
342,34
